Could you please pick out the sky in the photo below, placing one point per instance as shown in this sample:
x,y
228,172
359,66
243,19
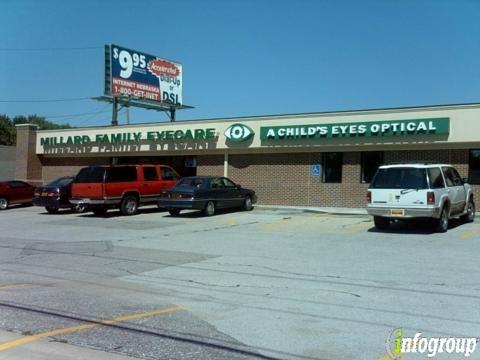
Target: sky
x,y
242,57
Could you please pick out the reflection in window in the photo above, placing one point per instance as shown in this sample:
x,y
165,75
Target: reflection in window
x,y
474,167
332,167
371,160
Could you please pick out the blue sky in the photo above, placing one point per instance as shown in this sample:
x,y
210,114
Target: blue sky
x,y
240,58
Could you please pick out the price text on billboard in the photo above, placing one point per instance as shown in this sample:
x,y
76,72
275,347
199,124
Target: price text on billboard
x,y
139,75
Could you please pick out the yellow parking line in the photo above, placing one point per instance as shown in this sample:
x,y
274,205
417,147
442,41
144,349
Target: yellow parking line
x,y
11,286
87,326
470,233
388,357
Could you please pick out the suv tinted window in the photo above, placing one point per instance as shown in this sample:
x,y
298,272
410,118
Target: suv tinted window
x,y
17,184
400,178
121,174
436,178
451,176
150,173
90,175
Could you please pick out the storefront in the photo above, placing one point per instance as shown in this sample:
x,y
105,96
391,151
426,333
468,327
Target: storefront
x,y
320,159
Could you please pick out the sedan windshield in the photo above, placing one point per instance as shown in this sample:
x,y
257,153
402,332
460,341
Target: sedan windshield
x,y
400,178
61,182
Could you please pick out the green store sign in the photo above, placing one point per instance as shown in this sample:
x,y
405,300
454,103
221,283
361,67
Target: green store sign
x,y
130,137
433,126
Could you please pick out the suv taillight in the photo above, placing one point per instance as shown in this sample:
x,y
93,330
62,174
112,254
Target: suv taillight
x,y
430,198
369,197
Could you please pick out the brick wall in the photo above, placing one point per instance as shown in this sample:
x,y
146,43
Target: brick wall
x,y
27,163
210,165
285,179
53,168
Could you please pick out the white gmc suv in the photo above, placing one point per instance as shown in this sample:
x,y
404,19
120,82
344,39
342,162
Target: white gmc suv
x,y
406,191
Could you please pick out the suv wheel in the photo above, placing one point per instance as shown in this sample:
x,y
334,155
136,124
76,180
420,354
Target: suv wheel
x,y
209,208
247,204
51,209
470,215
381,222
129,205
79,208
441,224
3,203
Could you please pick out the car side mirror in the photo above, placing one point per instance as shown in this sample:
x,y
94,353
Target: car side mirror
x,y
465,180
239,186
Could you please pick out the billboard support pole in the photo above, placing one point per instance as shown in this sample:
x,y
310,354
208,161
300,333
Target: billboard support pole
x,y
172,114
114,111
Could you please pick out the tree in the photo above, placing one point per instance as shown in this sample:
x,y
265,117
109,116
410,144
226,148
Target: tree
x,y
8,133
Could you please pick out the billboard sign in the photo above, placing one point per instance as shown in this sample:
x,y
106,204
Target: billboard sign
x,y
139,75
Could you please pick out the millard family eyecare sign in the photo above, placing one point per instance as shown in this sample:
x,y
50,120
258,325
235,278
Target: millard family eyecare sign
x,y
107,138
433,126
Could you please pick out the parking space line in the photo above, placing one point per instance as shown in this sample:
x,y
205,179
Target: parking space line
x,y
14,286
87,326
470,233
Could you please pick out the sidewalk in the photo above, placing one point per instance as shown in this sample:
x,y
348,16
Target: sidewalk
x,y
311,209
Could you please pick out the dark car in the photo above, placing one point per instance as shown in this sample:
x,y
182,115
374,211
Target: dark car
x,y
208,194
15,192
56,195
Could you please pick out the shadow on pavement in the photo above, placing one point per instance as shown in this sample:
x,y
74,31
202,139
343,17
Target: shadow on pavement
x,y
415,227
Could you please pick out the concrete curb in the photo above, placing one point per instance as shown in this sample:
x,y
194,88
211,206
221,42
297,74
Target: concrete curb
x,y
318,210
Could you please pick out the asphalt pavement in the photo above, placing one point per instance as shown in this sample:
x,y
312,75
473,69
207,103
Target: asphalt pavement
x,y
270,283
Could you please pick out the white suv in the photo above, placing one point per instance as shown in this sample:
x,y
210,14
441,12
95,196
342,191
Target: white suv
x,y
407,191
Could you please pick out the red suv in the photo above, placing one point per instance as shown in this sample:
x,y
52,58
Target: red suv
x,y
121,186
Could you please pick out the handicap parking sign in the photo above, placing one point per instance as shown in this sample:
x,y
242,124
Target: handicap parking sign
x,y
316,169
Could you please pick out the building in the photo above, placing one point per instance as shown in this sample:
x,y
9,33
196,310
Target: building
x,y
319,159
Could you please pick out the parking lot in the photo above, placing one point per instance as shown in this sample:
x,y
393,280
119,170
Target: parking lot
x,y
272,284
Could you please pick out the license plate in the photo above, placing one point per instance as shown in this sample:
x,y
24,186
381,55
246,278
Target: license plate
x,y
397,212
44,194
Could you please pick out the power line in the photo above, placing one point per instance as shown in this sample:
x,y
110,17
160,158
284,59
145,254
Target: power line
x,y
46,100
53,48
73,115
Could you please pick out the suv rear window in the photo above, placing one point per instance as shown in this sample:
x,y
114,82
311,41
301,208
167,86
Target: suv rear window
x,y
90,175
121,174
400,178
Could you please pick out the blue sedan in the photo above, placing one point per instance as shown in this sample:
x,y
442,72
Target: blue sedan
x,y
206,193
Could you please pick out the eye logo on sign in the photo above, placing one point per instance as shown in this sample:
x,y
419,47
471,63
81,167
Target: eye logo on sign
x,y
238,132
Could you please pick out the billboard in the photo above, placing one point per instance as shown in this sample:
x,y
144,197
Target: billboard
x,y
131,73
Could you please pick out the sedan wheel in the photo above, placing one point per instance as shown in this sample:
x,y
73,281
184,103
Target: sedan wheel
x,y
51,209
174,212
247,204
209,208
3,203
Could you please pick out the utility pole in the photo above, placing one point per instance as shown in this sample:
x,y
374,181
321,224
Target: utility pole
x,y
115,111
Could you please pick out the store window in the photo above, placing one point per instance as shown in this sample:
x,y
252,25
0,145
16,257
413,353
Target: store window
x,y
474,167
370,161
332,167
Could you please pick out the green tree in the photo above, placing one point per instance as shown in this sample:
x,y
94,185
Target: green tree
x,y
8,133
